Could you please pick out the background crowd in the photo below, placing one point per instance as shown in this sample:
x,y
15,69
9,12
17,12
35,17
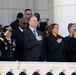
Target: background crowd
x,y
30,38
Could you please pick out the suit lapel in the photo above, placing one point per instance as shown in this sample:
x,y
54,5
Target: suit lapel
x,y
20,31
39,33
31,33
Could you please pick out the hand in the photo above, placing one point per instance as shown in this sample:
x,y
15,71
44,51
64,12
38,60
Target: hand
x,y
59,40
39,38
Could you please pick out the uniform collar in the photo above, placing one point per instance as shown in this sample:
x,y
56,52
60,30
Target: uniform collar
x,y
32,29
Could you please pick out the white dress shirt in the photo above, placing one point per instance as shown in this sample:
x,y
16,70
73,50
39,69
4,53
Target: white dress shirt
x,y
36,34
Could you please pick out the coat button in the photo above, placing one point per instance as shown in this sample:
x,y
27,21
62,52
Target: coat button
x,y
10,49
10,46
10,55
10,52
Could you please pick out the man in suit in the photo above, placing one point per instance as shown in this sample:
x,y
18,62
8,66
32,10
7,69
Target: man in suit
x,y
18,36
33,50
15,23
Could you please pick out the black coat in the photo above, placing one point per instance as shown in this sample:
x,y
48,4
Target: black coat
x,y
45,47
8,50
71,50
66,41
18,36
42,26
32,48
14,25
55,50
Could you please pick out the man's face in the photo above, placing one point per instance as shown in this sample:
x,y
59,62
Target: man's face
x,y
28,14
33,22
23,24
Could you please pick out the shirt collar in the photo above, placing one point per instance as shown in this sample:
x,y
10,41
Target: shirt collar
x,y
32,29
8,39
20,29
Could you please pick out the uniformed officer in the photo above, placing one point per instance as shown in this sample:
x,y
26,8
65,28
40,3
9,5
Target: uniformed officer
x,y
7,45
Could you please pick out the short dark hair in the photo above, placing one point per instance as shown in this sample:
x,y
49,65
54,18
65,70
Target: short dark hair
x,y
28,10
20,15
37,15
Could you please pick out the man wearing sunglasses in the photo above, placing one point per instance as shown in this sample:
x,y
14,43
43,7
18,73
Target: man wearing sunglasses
x,y
18,36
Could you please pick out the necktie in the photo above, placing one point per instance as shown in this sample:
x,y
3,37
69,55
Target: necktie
x,y
34,31
9,41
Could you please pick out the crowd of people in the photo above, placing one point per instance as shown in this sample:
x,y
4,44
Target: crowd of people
x,y
23,40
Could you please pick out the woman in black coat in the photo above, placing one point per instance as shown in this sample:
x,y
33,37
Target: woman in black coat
x,y
71,49
66,40
55,44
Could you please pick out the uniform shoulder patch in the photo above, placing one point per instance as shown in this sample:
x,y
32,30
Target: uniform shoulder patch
x,y
1,39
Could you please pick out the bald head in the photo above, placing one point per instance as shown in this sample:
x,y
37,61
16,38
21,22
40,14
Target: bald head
x,y
33,22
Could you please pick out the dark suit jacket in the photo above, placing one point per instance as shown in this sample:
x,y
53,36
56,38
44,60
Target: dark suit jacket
x,y
55,51
15,24
32,48
18,36
66,41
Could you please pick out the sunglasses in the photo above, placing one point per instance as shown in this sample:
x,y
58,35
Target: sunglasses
x,y
24,23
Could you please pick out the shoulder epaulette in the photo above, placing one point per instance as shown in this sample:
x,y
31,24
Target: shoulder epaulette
x,y
1,39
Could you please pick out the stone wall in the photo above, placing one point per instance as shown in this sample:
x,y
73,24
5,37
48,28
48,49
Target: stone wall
x,y
58,11
10,8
